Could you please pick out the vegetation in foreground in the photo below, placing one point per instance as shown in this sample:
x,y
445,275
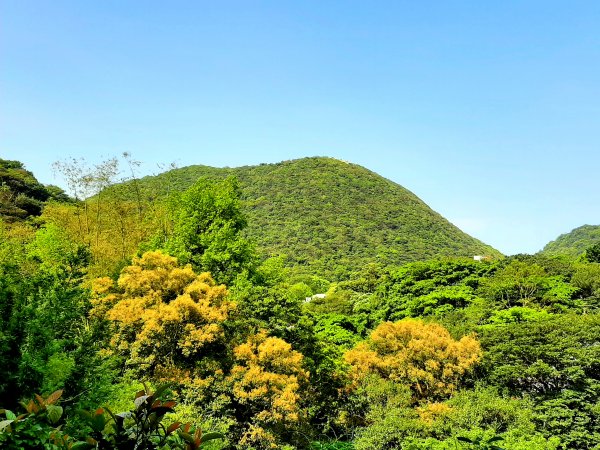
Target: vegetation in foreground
x,y
438,354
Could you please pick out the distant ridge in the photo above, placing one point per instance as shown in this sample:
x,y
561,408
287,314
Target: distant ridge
x,y
21,195
575,242
332,217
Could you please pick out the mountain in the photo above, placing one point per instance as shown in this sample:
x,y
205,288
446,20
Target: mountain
x,y
21,194
332,216
574,243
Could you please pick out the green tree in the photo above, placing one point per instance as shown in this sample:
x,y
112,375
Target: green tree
x,y
46,343
425,288
587,279
207,225
555,362
524,284
21,194
592,254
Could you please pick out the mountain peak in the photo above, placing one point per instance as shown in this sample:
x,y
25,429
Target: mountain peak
x,y
332,217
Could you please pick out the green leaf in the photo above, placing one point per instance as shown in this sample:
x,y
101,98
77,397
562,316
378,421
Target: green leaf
x,y
186,437
160,390
98,422
54,413
5,424
82,446
211,436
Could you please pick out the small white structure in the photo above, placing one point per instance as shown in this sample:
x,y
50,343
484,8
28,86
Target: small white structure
x,y
478,257
316,296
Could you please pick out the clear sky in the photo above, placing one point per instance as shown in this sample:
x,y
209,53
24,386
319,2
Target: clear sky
x,y
487,110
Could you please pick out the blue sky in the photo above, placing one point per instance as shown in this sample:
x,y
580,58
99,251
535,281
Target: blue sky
x,y
488,111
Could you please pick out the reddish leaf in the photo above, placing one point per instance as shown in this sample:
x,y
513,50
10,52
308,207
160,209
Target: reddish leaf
x,y
32,407
40,400
173,427
52,398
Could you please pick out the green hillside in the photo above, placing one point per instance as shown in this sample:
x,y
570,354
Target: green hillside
x,y
332,216
21,194
574,243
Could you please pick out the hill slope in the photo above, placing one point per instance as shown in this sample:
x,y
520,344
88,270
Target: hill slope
x,y
21,194
575,242
333,216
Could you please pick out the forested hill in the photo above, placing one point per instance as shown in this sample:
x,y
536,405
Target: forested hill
x,y
21,194
575,242
332,216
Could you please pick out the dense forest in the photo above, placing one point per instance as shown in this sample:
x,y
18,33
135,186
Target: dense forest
x,y
304,305
327,215
574,243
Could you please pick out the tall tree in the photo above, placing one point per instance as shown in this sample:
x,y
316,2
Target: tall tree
x,y
592,254
207,225
43,333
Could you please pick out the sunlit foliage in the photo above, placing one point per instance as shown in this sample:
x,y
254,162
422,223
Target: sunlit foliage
x,y
113,222
22,196
266,380
575,242
207,221
555,362
421,355
267,361
330,217
427,288
164,315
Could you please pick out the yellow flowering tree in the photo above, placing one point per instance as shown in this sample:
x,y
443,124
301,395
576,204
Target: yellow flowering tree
x,y
169,324
420,355
165,317
266,381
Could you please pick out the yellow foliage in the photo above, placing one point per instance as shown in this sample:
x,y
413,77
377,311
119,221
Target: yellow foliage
x,y
433,411
112,228
422,355
17,232
258,436
267,379
163,314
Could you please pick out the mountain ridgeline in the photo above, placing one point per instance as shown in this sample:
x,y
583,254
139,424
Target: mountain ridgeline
x,y
331,217
21,194
575,242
